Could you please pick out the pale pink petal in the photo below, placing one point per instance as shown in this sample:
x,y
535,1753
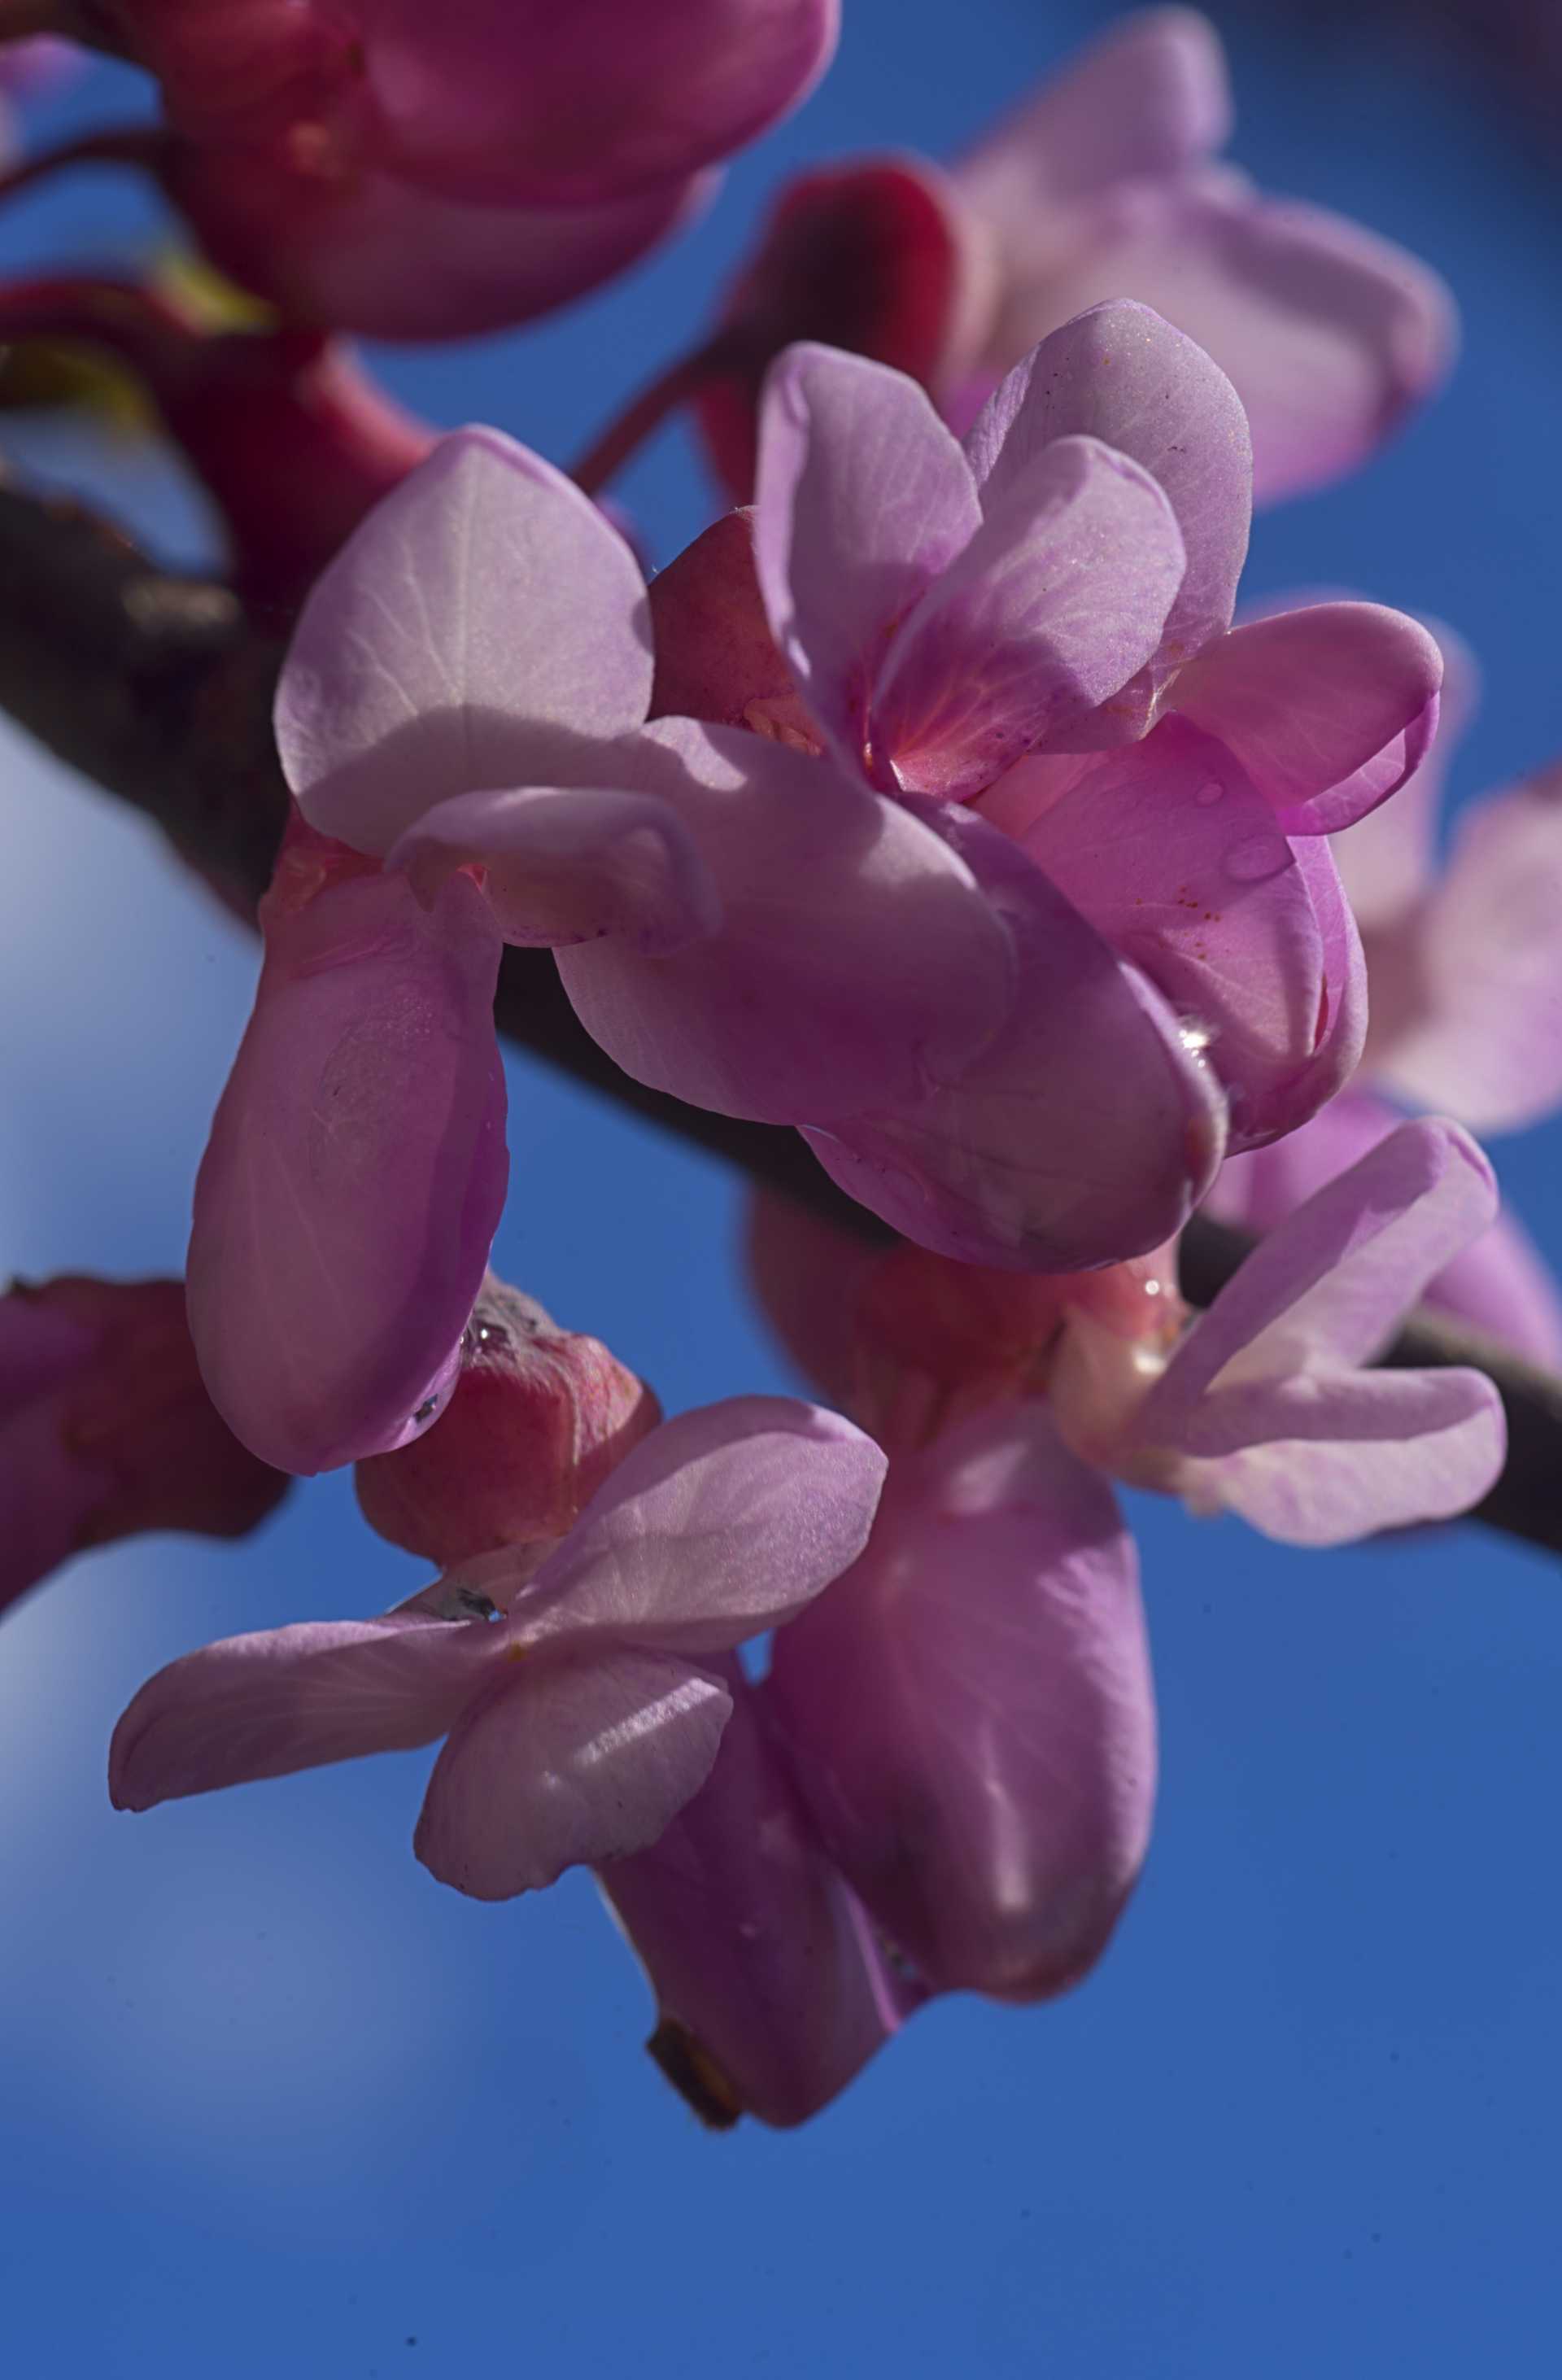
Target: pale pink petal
x,y
1500,1284
1342,1016
570,864
292,1698
567,1760
720,1524
1321,1459
1328,710
354,1175
770,1993
1121,374
1058,599
524,99
1329,1287
862,498
1483,1040
1084,1134
1149,97
971,1714
857,957
1180,863
482,626
371,253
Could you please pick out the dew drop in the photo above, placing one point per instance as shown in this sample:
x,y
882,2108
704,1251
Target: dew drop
x,y
1196,1036
1260,856
1207,796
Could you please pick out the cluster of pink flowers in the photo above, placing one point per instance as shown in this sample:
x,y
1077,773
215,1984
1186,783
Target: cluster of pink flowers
x,y
935,803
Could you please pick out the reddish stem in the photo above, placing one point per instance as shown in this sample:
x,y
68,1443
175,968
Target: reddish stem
x,y
682,378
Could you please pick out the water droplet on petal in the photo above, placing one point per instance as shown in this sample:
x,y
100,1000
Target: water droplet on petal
x,y
1260,856
1196,1036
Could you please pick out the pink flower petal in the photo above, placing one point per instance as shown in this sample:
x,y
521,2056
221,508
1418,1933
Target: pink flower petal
x,y
768,1986
292,1698
1148,97
1500,1284
375,255
1329,1287
1180,863
971,1715
1483,1037
355,1175
521,99
567,1760
1387,860
564,864
862,498
1322,1459
715,654
720,1524
482,626
1328,710
50,1496
1058,599
1083,1133
1120,374
859,956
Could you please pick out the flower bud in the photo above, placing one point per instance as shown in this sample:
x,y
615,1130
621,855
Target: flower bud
x,y
106,1429
536,1419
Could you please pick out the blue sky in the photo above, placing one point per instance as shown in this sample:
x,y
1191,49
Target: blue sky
x,y
272,2101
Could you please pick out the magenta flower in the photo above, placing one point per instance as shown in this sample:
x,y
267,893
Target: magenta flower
x,y
534,1423
356,1170
413,172
772,1990
969,1712
1465,973
1266,1405
106,1428
1106,184
583,1704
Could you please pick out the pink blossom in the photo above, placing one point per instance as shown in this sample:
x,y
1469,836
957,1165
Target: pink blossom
x,y
771,1988
1104,184
534,1423
582,1702
106,1428
1465,975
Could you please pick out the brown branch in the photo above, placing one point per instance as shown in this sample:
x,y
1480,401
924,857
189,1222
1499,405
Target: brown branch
x,y
159,690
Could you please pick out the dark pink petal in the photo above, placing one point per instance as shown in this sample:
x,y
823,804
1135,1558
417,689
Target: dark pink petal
x,y
355,1175
522,99
292,1698
1500,1284
567,1760
42,1347
1321,1459
50,1496
863,499
770,1994
879,256
715,655
971,1716
482,626
564,864
1121,374
373,254
1342,1016
1084,1134
857,957
721,1524
1149,97
1482,1035
1329,1287
1180,866
807,1276
1058,599
1328,710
